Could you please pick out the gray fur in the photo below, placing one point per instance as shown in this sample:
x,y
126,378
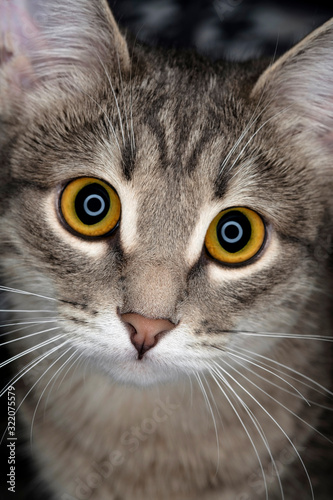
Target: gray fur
x,y
163,129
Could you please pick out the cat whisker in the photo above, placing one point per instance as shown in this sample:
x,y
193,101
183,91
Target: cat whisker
x,y
274,335
30,366
209,406
32,349
255,133
28,336
276,401
232,353
123,101
131,90
26,327
31,389
288,368
220,376
54,378
212,396
106,117
25,292
251,122
273,370
270,416
27,310
35,411
131,100
78,361
33,322
70,367
191,388
323,338
115,98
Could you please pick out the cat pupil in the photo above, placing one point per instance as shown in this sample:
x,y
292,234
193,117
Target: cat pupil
x,y
175,343
94,205
232,232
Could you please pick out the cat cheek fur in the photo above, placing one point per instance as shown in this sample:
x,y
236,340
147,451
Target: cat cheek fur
x,y
226,391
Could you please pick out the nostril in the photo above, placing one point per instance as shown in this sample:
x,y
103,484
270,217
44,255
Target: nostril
x,y
145,332
131,329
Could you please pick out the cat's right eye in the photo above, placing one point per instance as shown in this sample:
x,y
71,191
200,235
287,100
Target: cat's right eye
x,y
90,207
235,236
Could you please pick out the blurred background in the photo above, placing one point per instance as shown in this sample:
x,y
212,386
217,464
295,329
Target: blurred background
x,y
232,29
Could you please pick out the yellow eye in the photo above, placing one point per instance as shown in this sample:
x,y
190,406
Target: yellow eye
x,y
235,235
90,207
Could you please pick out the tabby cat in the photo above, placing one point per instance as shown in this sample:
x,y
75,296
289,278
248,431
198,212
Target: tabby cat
x,y
166,229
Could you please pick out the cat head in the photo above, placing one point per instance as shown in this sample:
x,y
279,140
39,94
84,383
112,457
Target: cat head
x,y
210,184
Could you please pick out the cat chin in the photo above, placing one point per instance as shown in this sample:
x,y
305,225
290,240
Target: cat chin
x,y
131,371
141,374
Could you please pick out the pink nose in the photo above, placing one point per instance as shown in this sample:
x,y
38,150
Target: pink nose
x,y
145,332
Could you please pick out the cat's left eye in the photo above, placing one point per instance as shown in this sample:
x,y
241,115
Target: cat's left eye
x,y
90,207
235,236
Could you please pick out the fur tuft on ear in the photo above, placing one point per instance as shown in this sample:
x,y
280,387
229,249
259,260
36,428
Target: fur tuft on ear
x,y
43,41
301,83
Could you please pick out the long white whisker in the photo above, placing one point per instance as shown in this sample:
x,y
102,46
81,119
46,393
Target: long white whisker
x,y
19,329
324,338
56,361
70,367
32,349
133,145
122,93
24,292
276,401
27,310
232,353
30,366
33,322
106,116
275,370
212,371
252,121
34,385
292,370
255,133
54,378
209,406
115,98
28,336
274,420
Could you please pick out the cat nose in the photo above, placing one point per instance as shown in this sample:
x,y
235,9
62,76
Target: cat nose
x,y
145,332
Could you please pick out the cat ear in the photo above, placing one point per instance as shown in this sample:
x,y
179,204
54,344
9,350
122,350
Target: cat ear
x,y
63,40
299,87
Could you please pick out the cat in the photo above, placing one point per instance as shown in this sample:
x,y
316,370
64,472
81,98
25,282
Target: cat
x,y
166,262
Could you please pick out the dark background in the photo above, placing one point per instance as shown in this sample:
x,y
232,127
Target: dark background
x,y
236,29
233,29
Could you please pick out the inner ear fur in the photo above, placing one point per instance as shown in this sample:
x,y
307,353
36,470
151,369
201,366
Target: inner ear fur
x,y
302,80
66,42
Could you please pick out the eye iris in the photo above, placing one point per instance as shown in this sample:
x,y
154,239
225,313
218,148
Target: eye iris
x,y
233,231
92,204
235,235
90,207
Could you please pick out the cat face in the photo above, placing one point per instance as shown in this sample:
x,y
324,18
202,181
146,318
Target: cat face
x,y
179,143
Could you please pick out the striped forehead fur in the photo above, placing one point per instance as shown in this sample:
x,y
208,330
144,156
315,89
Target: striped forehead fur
x,y
180,139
